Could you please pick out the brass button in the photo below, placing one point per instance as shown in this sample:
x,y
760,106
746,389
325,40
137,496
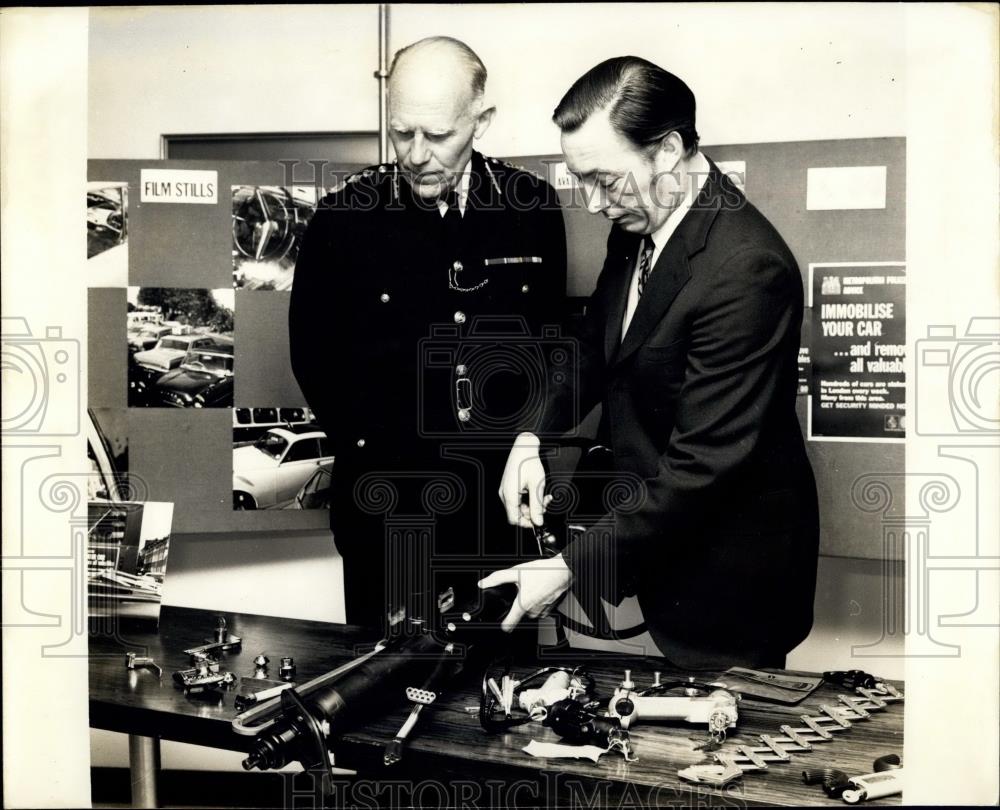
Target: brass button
x,y
525,288
464,414
384,298
361,442
461,370
458,267
460,317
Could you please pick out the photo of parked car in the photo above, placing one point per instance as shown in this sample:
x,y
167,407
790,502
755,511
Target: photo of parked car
x,y
271,472
268,225
315,493
146,336
203,379
182,338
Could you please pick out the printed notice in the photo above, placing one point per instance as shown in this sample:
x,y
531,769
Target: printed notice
x,y
560,177
179,186
845,188
858,346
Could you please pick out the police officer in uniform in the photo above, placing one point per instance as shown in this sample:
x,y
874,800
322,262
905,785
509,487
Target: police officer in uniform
x,y
419,337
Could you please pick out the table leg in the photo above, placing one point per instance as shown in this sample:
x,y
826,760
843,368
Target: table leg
x,y
144,767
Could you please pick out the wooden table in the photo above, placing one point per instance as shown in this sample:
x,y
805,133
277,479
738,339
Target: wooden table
x,y
449,759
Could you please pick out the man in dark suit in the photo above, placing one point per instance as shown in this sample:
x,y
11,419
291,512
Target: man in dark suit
x,y
690,342
420,293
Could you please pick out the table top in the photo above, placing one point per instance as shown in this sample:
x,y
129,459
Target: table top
x,y
448,741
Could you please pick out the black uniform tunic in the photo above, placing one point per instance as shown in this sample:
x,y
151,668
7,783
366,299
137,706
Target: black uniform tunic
x,y
423,344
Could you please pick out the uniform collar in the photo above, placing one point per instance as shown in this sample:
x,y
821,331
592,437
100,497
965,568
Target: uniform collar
x,y
461,189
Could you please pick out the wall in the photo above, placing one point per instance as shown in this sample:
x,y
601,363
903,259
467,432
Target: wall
x,y
156,71
806,72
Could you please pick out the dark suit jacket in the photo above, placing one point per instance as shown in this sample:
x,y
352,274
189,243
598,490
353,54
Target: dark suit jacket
x,y
699,404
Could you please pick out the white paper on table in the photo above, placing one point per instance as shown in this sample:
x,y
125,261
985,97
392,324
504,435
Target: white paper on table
x,y
563,751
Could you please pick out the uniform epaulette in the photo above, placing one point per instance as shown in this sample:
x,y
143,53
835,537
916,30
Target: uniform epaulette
x,y
372,175
514,166
372,171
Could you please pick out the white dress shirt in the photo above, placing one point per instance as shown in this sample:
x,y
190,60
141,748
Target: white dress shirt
x,y
698,175
462,189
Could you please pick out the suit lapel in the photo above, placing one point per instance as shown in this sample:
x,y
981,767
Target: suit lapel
x,y
619,298
672,269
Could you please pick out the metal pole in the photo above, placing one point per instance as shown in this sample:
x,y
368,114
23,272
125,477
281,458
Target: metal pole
x,y
382,74
144,767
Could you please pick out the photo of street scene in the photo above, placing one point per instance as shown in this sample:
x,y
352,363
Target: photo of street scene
x,y
180,347
281,460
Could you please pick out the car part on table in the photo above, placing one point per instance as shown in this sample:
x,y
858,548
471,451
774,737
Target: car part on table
x,y
287,669
580,722
243,702
886,781
205,674
834,782
300,724
500,695
394,748
701,703
133,661
221,641
850,679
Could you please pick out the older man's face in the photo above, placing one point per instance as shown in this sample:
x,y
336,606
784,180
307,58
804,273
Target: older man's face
x,y
433,119
634,190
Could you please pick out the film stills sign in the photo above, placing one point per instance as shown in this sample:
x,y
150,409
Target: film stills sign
x,y
858,347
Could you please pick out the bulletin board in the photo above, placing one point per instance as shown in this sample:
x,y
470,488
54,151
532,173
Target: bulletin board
x,y
185,455
777,182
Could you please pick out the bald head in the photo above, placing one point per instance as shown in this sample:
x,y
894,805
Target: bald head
x,y
436,110
438,60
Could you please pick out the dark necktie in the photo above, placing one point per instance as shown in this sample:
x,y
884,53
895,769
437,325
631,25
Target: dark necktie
x,y
452,219
645,264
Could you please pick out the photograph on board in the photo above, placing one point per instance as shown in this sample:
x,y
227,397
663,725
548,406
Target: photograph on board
x,y
180,347
281,460
268,225
107,234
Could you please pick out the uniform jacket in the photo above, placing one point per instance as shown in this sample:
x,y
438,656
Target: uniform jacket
x,y
699,405
396,324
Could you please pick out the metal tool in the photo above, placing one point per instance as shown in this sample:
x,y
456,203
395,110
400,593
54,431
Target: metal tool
x,y
287,669
394,748
243,702
133,661
221,641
